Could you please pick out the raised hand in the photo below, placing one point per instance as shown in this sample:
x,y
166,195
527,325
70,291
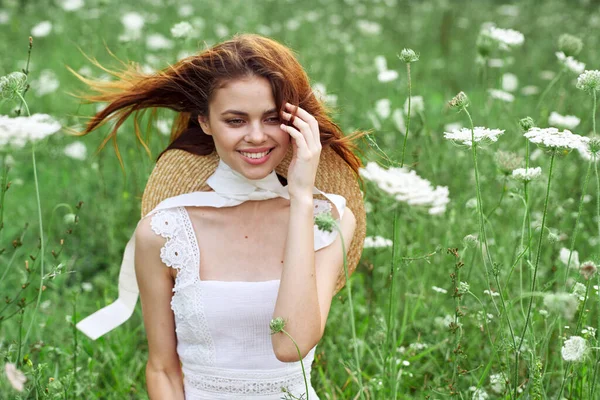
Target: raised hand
x,y
304,129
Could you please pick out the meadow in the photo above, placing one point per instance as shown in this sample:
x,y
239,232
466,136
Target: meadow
x,y
478,279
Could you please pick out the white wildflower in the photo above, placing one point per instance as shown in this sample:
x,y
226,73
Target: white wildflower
x,y
478,394
501,95
445,322
463,287
185,10
76,150
368,27
439,289
156,41
570,63
589,81
377,242
406,186
221,30
543,313
481,135
491,293
579,290
46,83
86,286
553,139
564,303
574,349
510,82
4,17
383,108
564,257
398,119
71,5
387,75
530,90
563,121
416,105
496,63
16,378
20,130
133,21
380,63
69,218
589,331
526,175
498,383
587,269
505,38
42,29
182,30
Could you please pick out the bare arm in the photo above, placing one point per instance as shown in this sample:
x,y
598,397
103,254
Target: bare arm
x,y
164,378
308,280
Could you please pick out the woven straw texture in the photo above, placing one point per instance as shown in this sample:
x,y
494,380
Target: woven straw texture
x,y
178,172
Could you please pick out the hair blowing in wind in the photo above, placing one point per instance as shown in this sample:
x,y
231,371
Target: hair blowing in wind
x,y
187,86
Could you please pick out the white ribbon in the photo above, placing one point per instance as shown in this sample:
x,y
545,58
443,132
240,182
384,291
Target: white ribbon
x,y
230,189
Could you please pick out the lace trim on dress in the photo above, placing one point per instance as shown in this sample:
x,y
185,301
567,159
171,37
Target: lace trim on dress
x,y
245,382
194,339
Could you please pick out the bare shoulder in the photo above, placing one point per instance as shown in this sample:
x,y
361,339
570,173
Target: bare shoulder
x,y
146,237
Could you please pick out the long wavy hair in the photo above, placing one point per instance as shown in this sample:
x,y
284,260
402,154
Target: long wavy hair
x,y
188,86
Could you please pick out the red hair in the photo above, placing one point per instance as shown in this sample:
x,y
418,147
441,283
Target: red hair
x,y
188,86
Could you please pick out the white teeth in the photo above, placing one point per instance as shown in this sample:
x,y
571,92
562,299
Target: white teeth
x,y
255,155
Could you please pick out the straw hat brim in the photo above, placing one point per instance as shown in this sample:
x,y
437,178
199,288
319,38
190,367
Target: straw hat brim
x,y
179,171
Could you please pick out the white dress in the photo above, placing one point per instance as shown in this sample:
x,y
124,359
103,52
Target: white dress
x,y
222,328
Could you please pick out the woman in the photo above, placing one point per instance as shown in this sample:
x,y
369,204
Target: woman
x,y
214,267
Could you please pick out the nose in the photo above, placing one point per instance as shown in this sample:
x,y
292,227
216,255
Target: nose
x,y
256,133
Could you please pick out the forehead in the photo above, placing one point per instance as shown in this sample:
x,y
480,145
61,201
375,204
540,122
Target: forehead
x,y
244,94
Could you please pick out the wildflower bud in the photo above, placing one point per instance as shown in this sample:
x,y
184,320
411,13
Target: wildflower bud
x,y
277,325
526,123
408,56
587,269
325,221
485,45
470,241
459,101
507,161
552,237
463,287
594,145
589,81
12,84
569,44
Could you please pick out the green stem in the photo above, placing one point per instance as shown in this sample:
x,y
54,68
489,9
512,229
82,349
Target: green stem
x,y
408,116
576,230
301,362
535,268
351,304
24,103
594,112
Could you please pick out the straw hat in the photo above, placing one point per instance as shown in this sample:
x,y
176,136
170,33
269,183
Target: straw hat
x,y
178,172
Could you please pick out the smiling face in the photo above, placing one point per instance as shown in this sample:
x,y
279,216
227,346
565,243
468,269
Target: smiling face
x,y
243,116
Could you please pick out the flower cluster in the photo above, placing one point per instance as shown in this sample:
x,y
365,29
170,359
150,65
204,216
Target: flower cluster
x,y
501,95
589,81
563,121
406,186
553,139
526,175
574,349
570,63
480,135
408,56
377,242
569,44
12,84
504,38
18,131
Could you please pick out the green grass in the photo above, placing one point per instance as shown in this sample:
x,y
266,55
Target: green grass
x,y
418,356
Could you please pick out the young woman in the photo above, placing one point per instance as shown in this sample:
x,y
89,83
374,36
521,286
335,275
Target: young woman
x,y
214,267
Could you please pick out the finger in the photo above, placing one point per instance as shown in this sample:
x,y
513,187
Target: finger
x,y
309,118
303,127
298,137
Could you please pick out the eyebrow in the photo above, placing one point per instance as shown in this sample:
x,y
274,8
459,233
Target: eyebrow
x,y
237,112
